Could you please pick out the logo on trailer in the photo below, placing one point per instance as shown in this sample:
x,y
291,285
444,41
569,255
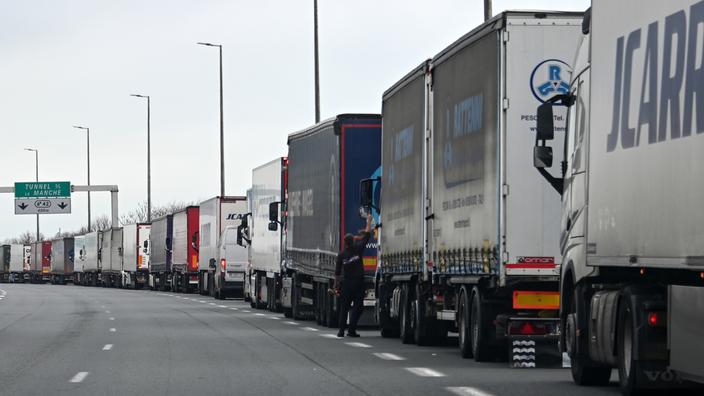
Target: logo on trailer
x,y
549,78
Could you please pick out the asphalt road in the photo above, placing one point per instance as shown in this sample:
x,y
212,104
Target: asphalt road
x,y
89,341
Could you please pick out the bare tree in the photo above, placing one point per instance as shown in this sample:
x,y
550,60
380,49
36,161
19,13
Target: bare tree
x,y
25,238
139,214
102,223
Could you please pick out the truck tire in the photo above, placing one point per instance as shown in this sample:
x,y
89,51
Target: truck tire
x,y
478,328
387,325
295,309
331,310
627,366
258,291
406,331
583,372
317,303
463,325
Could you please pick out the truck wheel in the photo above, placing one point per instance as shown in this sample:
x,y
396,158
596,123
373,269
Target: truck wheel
x,y
478,329
258,290
627,366
419,322
583,373
318,303
463,325
388,326
406,331
331,312
295,309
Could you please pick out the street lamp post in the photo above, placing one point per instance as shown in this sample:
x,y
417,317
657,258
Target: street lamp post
x,y
317,68
222,126
36,169
149,157
88,157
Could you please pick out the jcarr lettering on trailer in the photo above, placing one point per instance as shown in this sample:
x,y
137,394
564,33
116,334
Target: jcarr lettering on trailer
x,y
676,41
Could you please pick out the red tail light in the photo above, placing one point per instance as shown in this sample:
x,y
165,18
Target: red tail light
x,y
655,319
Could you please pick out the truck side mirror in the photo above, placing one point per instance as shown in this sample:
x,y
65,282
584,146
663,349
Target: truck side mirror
x,y
239,235
212,263
366,193
542,157
273,226
274,212
244,223
546,124
146,244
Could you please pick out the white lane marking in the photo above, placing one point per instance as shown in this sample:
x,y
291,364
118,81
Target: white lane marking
x,y
202,302
310,328
112,329
234,309
246,310
111,318
424,372
221,306
388,356
273,317
186,298
291,323
212,303
259,314
107,312
79,377
467,391
328,335
107,347
358,344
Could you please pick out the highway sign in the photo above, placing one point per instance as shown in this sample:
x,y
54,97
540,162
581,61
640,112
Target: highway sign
x,y
49,190
35,206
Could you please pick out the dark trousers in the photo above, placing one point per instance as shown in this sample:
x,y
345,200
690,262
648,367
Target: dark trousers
x,y
352,294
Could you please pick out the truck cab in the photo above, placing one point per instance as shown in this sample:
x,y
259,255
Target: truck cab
x,y
626,233
230,268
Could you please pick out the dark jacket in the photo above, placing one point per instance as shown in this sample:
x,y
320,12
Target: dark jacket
x,y
349,262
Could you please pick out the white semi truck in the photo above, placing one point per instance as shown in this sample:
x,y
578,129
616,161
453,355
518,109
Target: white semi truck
x,y
264,272
135,264
221,261
469,233
632,294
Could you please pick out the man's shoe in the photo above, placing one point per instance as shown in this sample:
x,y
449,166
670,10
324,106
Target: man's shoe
x,y
341,333
352,334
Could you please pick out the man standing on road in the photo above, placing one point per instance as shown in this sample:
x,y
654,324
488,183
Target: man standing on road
x,y
349,266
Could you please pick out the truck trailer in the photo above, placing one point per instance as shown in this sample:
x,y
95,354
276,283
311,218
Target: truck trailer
x,y
135,248
160,242
62,260
326,163
264,271
632,294
17,261
92,265
469,240
221,261
184,265
5,256
40,269
111,257
79,257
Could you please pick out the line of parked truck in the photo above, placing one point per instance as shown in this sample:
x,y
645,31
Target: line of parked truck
x,y
468,237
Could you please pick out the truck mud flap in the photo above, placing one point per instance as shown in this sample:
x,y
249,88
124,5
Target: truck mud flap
x,y
534,352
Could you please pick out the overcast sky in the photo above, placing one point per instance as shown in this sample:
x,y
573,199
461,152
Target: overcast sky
x,y
65,63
